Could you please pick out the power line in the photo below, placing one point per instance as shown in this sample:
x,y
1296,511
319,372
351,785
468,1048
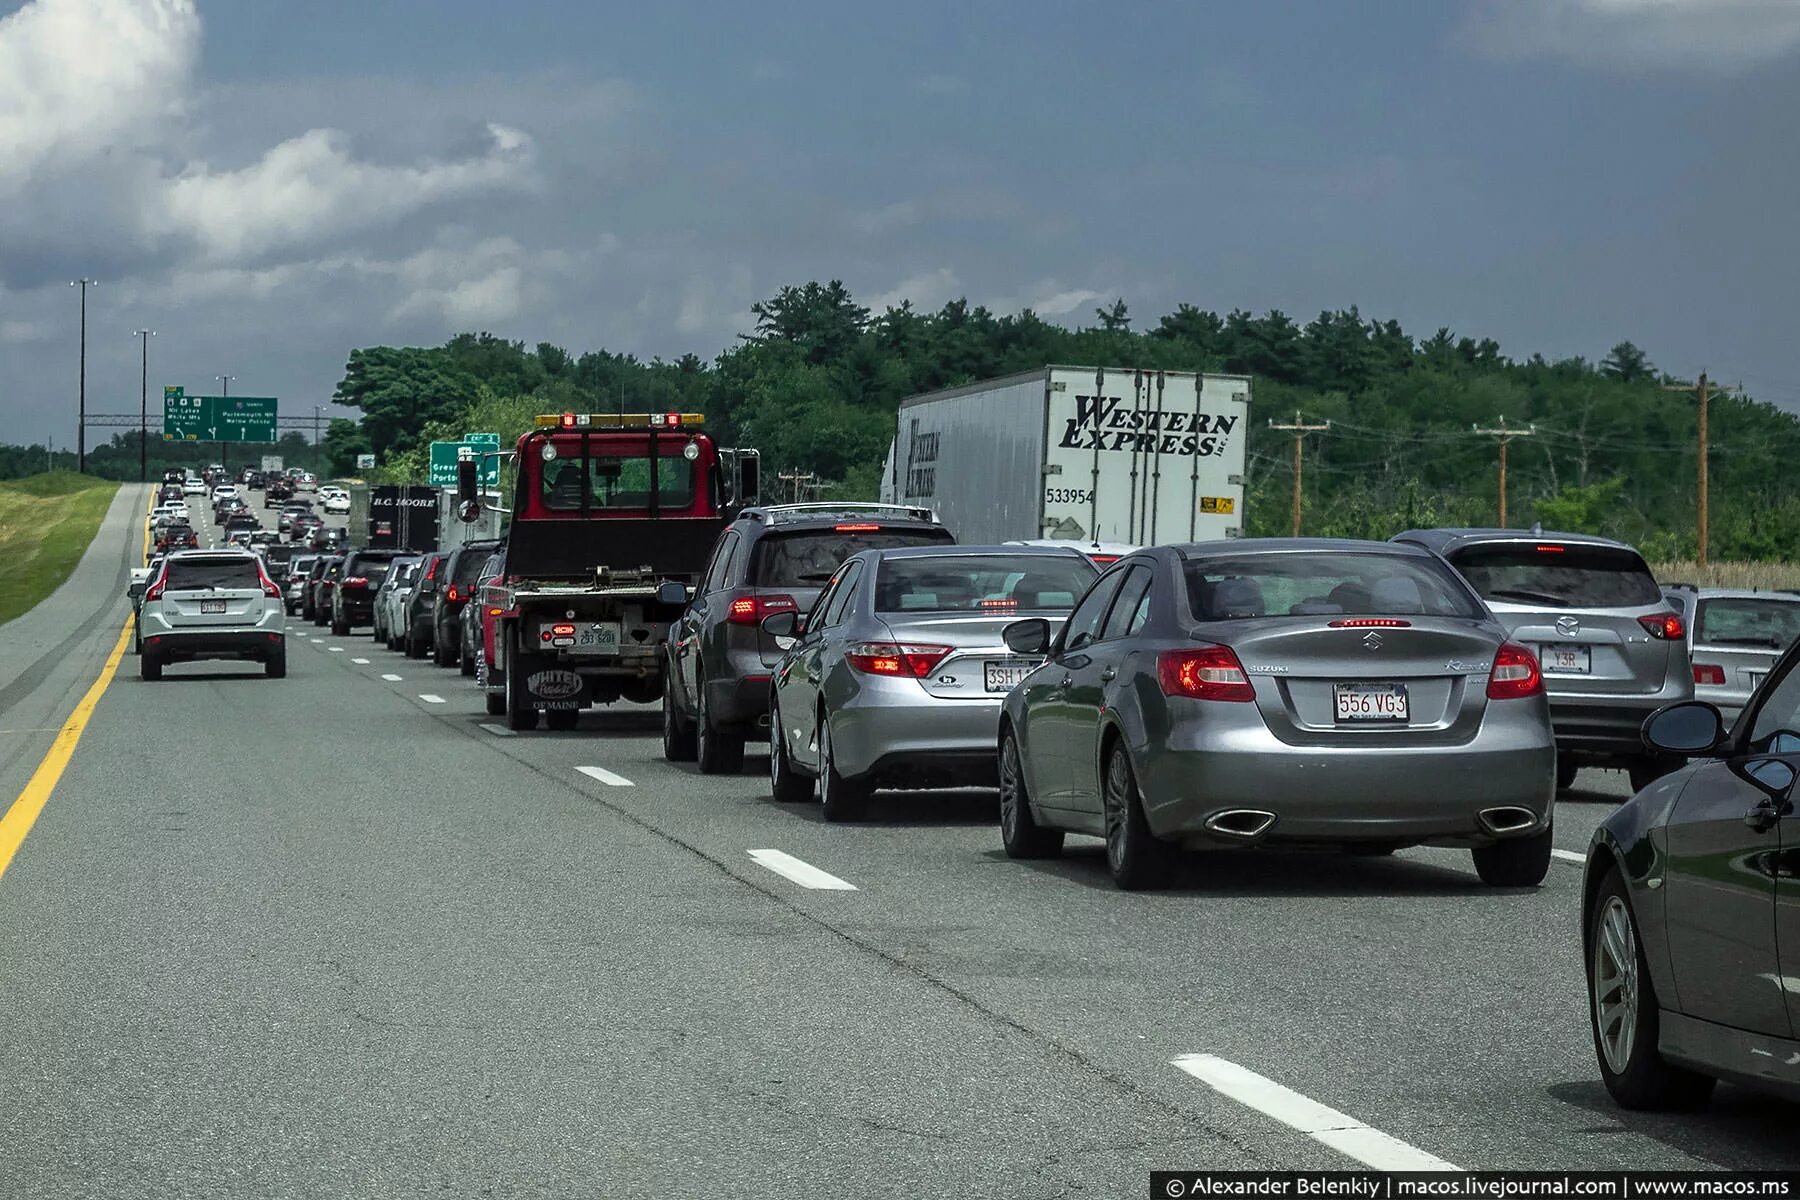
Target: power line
x,y
1505,435
1299,429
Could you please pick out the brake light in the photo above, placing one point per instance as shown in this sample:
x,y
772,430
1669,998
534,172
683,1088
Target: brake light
x,y
355,581
1516,674
1551,549
562,630
1371,623
898,659
155,590
1103,560
1209,673
451,594
856,528
999,604
1709,673
750,610
268,585
1664,627
431,571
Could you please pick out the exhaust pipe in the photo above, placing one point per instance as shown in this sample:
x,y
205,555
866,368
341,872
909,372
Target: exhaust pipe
x,y
1243,824
1507,819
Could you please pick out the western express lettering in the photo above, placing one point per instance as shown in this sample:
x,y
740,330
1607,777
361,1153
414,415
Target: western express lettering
x,y
1105,423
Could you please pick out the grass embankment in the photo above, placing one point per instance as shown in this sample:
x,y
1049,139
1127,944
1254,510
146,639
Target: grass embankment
x,y
46,523
1769,576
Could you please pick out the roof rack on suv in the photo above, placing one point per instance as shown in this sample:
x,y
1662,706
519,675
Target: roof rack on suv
x,y
776,514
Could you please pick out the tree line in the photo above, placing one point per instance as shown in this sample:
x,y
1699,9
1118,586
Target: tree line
x,y
816,383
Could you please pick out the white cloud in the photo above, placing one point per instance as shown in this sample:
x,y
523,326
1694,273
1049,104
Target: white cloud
x,y
311,186
927,292
78,77
18,332
1054,301
1708,35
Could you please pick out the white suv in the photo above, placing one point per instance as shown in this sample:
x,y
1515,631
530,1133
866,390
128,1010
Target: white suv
x,y
206,604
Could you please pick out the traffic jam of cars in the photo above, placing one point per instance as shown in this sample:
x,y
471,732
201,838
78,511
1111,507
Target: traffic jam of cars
x,y
1164,696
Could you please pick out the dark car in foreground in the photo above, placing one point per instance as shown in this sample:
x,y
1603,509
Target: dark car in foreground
x,y
1298,691
413,632
356,582
458,578
1612,648
324,584
770,559
1691,930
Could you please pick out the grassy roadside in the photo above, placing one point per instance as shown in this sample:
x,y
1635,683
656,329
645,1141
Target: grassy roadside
x,y
46,523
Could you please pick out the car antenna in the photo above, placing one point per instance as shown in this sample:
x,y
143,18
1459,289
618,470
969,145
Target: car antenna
x,y
1537,529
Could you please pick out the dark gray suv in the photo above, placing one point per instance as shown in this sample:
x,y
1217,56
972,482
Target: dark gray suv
x,y
1613,649
771,559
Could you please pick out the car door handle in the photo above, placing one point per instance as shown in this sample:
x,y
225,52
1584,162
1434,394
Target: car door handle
x,y
1108,675
1062,685
1762,818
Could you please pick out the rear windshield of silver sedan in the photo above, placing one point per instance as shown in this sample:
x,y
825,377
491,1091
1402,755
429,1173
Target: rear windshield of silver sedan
x,y
809,557
1764,622
1560,576
223,572
981,583
1326,584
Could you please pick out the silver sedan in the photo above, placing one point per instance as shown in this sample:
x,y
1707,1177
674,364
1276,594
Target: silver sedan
x,y
1301,691
897,673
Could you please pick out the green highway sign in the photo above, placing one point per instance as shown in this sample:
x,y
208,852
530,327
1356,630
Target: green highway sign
x,y
217,418
445,456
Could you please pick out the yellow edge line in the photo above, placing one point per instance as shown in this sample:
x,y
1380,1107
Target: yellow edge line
x,y
24,811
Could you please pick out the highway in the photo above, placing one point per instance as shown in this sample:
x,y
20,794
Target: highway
x,y
341,934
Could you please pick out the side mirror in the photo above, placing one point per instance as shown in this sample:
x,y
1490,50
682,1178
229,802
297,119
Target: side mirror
x,y
1030,636
782,624
1688,728
673,594
467,490
468,511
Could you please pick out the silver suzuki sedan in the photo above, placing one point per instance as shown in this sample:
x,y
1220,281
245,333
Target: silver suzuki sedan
x,y
898,671
1301,691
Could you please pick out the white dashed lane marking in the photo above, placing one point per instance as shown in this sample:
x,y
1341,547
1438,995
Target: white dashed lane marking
x,y
605,776
800,871
428,698
391,678
499,731
361,662
1570,856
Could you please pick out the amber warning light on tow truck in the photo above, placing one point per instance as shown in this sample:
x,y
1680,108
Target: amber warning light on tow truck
x,y
662,420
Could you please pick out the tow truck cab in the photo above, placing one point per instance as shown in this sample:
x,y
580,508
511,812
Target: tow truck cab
x,y
613,518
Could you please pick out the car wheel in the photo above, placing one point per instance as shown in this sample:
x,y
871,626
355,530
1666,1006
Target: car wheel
x,y
340,628
275,666
718,751
562,720
441,656
841,797
1137,858
1516,862
1646,771
1565,774
495,703
787,785
150,667
1020,834
137,638
678,734
466,664
519,713
1623,1011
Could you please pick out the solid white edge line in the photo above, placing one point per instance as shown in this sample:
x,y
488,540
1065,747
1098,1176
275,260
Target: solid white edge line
x,y
605,776
801,872
499,730
431,698
1579,860
1320,1122
391,678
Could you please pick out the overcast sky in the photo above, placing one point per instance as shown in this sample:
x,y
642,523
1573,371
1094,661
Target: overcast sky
x,y
270,183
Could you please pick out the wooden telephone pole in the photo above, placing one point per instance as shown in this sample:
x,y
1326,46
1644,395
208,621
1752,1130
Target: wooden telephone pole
x,y
1505,435
1299,429
1703,481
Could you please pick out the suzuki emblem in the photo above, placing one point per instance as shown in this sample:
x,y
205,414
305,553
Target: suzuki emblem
x,y
1371,640
1568,626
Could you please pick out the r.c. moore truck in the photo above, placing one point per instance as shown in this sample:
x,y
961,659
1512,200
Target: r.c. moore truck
x,y
1089,454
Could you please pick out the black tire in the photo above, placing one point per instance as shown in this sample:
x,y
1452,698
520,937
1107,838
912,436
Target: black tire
x,y
339,628
1516,862
842,798
466,664
275,666
1020,834
495,702
441,656
1644,1079
410,646
717,751
1565,774
1137,859
786,785
677,731
519,713
150,667
1370,849
319,618
562,720
1646,771
137,638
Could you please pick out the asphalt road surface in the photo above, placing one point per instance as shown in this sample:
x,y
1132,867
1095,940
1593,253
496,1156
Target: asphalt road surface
x,y
341,935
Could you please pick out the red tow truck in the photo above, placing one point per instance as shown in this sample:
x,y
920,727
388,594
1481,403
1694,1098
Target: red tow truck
x,y
612,520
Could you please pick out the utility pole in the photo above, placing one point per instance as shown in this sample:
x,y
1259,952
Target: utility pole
x,y
226,394
81,417
1299,429
144,335
318,435
797,481
1505,435
1703,481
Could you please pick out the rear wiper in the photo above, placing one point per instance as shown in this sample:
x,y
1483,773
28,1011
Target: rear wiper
x,y
1523,594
